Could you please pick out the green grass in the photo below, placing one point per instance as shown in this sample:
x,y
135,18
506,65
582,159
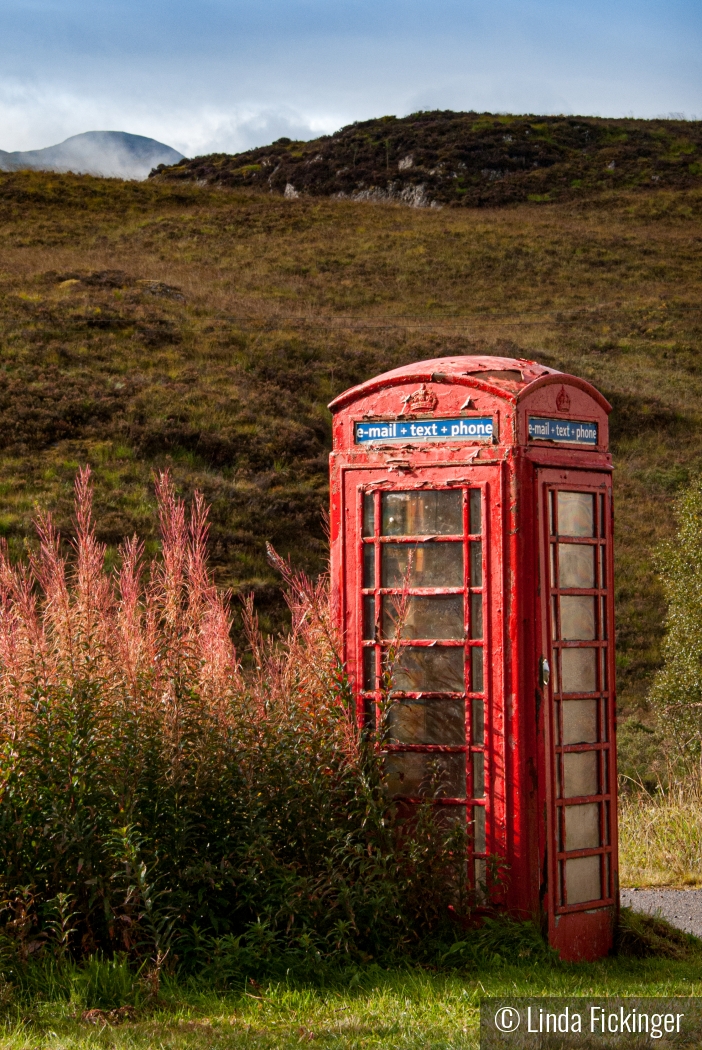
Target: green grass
x,y
408,1009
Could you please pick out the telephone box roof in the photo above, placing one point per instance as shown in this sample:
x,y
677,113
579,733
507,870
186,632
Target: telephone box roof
x,y
508,377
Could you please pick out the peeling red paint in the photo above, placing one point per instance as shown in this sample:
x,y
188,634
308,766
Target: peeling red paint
x,y
508,773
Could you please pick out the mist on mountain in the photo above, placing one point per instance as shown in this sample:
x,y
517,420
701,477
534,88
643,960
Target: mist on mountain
x,y
109,153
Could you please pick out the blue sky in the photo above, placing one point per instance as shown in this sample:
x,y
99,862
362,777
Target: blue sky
x,y
227,74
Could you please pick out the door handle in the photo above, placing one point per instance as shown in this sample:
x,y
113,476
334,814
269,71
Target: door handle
x,y
544,671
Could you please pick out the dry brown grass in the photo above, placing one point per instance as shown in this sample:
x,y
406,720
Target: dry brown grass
x,y
661,836
289,302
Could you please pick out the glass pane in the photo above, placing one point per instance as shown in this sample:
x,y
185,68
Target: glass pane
x,y
554,618
579,718
433,564
476,563
552,564
368,514
427,722
582,876
577,617
603,669
479,829
476,616
421,774
428,513
576,514
603,617
478,722
475,513
602,516
429,671
580,774
369,669
440,617
582,826
369,565
476,669
480,876
603,569
576,562
478,774
368,617
578,670
449,817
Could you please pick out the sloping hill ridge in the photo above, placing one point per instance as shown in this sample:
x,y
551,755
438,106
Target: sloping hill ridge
x,y
110,153
447,158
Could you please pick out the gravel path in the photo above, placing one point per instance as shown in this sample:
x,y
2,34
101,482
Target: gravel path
x,y
682,908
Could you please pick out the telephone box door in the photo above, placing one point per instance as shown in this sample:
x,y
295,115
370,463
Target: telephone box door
x,y
423,578
580,759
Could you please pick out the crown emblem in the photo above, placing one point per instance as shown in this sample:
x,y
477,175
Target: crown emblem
x,y
563,401
421,400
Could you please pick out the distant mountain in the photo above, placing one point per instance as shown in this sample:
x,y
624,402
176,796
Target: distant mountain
x,y
112,153
447,158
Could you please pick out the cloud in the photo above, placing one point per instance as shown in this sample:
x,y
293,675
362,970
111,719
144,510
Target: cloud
x,y
36,116
224,75
217,131
111,153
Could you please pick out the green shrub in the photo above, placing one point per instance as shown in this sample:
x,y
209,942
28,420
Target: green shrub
x,y
159,805
677,689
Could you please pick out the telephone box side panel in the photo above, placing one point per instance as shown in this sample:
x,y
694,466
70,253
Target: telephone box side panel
x,y
537,729
517,830
523,706
579,747
541,672
336,545
498,648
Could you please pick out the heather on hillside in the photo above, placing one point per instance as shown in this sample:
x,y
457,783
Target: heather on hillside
x,y
464,159
160,801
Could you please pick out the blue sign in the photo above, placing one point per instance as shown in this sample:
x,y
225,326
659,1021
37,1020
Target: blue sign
x,y
568,430
407,431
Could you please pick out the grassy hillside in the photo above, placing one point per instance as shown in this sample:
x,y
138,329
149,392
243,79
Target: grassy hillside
x,y
469,159
163,323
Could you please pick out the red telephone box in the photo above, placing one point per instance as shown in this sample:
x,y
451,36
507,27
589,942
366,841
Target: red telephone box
x,y
475,493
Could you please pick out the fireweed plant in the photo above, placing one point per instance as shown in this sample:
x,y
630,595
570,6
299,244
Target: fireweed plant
x,y
162,804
